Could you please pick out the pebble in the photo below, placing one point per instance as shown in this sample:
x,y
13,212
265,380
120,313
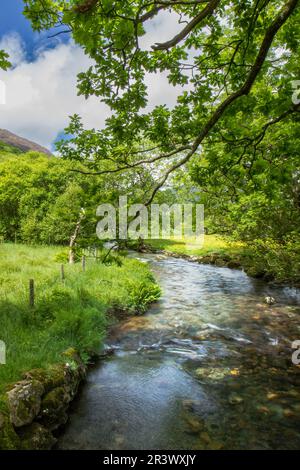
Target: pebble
x,y
235,399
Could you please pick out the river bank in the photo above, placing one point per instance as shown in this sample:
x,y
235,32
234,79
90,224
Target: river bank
x,y
49,345
223,253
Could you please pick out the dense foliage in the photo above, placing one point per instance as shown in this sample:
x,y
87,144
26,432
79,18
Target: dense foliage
x,y
236,123
41,199
230,58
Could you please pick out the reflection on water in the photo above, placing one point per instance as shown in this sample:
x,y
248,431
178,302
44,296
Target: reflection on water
x,y
209,367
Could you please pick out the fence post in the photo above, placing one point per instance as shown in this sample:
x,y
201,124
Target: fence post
x,y
31,293
62,272
83,263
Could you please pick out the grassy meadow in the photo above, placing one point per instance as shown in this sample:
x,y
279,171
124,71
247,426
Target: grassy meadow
x,y
189,246
70,313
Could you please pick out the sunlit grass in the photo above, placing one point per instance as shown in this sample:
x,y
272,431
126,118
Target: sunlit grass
x,y
191,246
70,313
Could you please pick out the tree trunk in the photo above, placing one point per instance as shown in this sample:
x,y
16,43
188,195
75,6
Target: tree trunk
x,y
74,237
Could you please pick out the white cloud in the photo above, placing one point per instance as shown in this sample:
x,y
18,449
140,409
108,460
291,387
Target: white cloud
x,y
13,45
41,94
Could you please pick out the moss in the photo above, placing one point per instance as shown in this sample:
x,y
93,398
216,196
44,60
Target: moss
x,y
36,437
9,439
24,402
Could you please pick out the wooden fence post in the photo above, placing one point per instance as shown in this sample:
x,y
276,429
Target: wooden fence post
x,y
83,263
31,293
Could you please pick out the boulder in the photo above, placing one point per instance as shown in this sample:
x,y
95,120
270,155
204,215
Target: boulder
x,y
9,440
37,437
54,407
24,402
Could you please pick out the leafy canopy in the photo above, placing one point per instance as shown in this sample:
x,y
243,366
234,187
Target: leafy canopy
x,y
234,60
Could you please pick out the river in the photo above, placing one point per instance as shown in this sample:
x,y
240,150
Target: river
x,y
208,367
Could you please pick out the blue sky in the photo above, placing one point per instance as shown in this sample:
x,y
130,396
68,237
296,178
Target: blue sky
x,y
12,20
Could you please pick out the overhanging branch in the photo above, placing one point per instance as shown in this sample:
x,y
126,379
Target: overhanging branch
x,y
271,32
206,12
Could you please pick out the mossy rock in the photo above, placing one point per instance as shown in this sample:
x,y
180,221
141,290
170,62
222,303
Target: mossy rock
x,y
73,358
9,440
205,260
49,378
220,262
233,264
255,272
24,402
54,405
36,437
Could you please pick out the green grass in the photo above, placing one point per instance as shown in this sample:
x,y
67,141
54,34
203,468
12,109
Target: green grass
x,y
188,246
69,314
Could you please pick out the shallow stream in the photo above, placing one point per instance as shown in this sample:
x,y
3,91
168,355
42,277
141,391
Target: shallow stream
x,y
208,367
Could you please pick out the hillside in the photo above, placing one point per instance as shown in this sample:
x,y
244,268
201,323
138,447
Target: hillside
x,y
13,143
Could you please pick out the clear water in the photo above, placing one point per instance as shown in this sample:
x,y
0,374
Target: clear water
x,y
209,367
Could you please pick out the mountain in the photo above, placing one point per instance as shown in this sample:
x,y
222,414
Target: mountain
x,y
23,145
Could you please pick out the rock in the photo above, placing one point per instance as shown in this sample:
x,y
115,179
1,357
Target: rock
x,y
9,440
233,264
215,445
24,402
195,424
190,405
36,437
263,409
212,373
272,396
235,399
75,362
220,263
204,437
38,404
270,300
106,352
119,441
54,406
204,260
288,413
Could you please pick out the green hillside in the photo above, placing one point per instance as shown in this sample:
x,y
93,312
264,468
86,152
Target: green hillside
x,y
6,149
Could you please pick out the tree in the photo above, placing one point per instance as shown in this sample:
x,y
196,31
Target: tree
x,y
4,62
41,198
230,57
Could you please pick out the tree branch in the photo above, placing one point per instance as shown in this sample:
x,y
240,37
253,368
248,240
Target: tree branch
x,y
271,32
134,165
207,11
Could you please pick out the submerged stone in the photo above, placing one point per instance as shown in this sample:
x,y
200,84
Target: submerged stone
x,y
235,399
195,425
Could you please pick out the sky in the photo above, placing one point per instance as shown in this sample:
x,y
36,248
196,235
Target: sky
x,y
40,87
